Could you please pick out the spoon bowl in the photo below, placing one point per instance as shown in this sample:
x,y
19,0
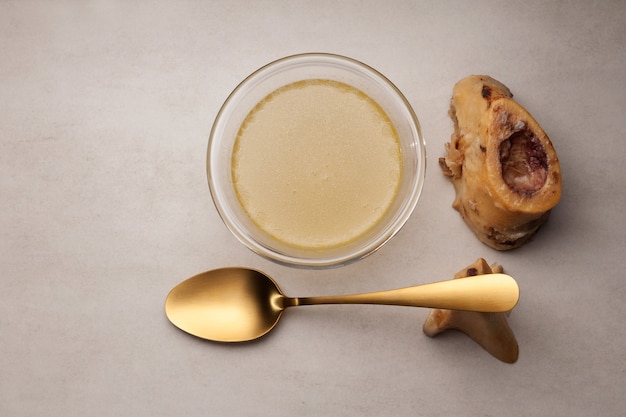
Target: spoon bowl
x,y
226,305
239,304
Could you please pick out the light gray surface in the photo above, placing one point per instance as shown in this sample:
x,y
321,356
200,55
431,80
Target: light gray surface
x,y
105,112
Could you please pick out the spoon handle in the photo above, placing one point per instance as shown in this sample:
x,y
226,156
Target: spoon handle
x,y
483,293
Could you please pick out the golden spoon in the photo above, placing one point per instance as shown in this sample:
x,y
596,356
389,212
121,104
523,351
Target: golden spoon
x,y
238,304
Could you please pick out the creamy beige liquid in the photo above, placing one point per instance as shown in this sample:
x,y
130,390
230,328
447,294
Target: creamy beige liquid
x,y
316,163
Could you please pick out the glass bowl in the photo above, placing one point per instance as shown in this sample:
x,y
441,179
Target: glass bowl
x,y
266,80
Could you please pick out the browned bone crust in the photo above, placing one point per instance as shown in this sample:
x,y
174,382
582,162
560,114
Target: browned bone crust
x,y
505,171
489,330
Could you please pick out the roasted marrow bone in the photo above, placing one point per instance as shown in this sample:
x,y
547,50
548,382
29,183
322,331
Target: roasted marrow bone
x,y
505,171
489,330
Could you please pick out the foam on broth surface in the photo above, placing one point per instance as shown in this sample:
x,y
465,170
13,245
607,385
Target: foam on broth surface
x,y
316,164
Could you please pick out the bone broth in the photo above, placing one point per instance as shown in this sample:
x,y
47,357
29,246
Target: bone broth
x,y
316,164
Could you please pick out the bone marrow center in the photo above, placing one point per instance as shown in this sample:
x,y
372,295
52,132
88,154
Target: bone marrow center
x,y
524,163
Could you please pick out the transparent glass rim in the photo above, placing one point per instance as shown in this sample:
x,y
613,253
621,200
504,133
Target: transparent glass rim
x,y
310,65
